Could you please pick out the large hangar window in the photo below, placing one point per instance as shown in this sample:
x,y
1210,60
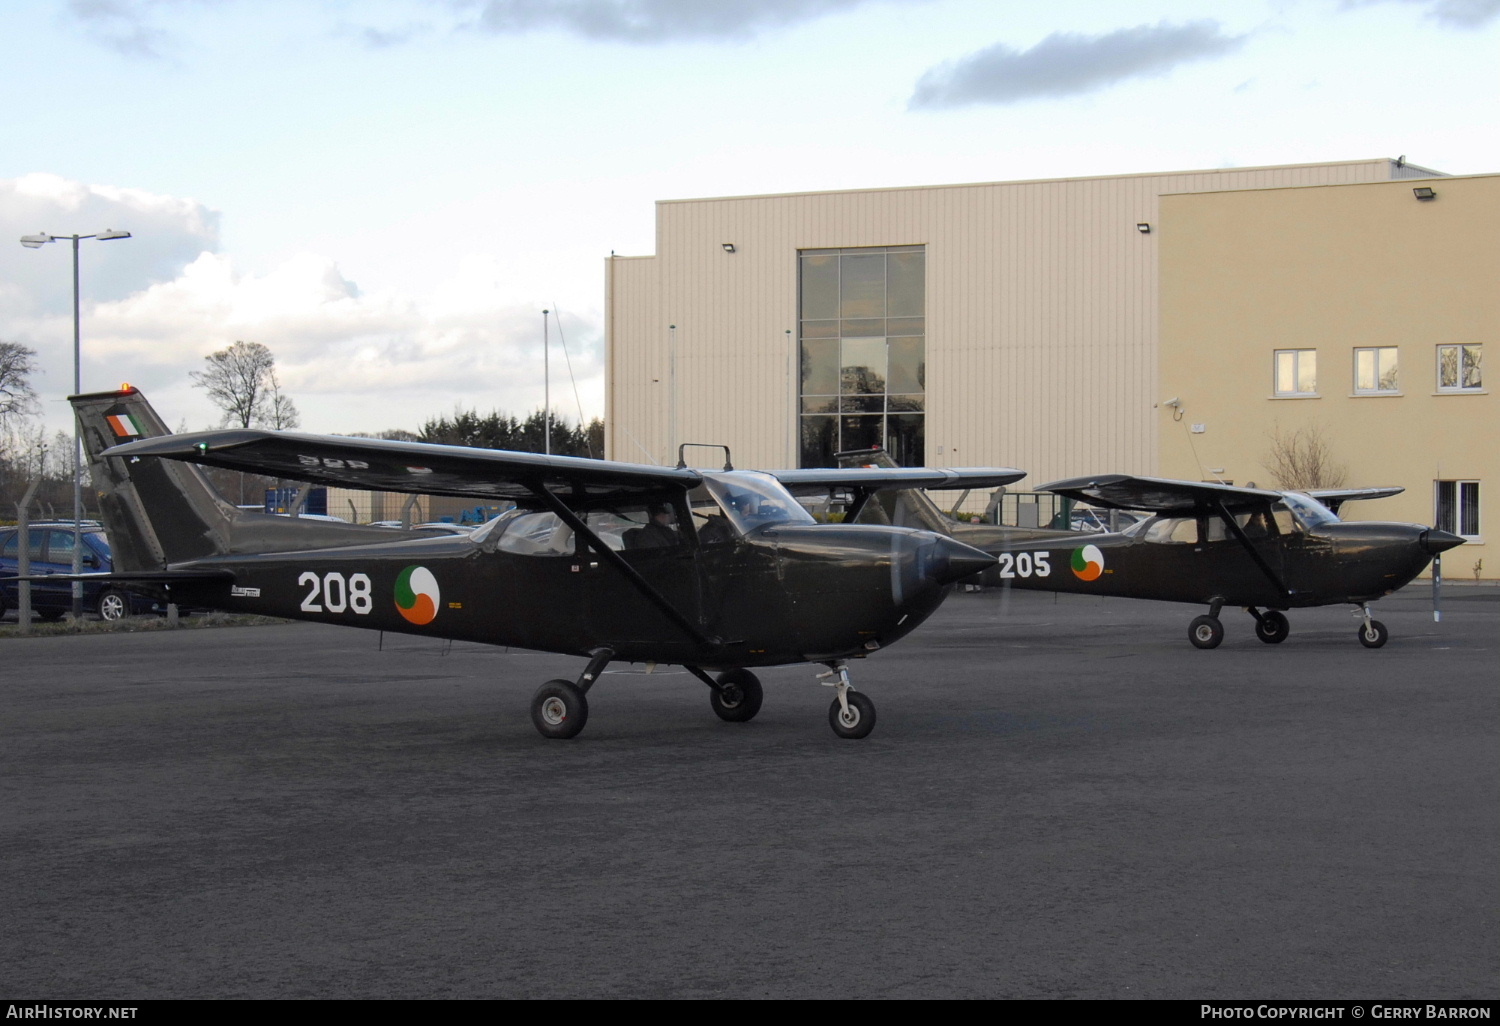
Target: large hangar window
x,y
864,352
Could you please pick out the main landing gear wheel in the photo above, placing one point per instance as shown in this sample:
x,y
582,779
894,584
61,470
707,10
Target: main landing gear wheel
x,y
1373,634
1205,632
738,696
559,709
112,605
857,722
1272,627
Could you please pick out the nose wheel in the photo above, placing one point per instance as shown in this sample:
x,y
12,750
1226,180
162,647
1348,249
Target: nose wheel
x,y
852,715
1372,633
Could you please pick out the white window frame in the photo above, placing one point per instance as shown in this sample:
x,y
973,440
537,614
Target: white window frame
x,y
1456,526
1478,386
1375,352
1298,355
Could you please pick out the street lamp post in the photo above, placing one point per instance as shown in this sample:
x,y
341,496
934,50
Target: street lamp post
x,y
36,242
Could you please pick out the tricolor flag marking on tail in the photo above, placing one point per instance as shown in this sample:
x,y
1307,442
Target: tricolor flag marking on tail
x,y
124,424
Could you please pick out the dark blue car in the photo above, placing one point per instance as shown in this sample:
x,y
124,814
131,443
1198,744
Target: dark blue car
x,y
51,548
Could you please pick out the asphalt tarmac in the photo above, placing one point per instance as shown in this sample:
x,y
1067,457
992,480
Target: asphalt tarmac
x,y
1062,798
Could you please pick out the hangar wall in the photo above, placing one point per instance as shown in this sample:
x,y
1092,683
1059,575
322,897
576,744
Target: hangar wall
x,y
1041,316
1339,271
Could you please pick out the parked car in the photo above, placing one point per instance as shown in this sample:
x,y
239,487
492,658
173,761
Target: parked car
x,y
51,546
444,527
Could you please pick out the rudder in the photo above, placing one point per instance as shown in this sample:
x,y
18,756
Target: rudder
x,y
156,512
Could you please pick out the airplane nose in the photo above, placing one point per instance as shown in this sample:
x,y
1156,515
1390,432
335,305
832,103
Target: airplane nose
x,y
1436,542
953,561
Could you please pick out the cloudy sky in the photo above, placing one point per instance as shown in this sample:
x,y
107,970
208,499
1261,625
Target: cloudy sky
x,y
387,193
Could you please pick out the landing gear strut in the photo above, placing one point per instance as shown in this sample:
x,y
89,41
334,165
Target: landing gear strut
x,y
851,715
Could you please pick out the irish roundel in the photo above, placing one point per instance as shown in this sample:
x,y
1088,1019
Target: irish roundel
x,y
1088,563
417,595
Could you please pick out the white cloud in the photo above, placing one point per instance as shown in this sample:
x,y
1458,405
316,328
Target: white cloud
x,y
353,361
651,21
1461,14
1070,63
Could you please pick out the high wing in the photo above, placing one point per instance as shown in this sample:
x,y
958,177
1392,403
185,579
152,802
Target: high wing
x,y
415,467
1161,495
814,481
1333,498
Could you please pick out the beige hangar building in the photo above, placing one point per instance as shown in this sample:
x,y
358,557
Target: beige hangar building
x,y
1043,325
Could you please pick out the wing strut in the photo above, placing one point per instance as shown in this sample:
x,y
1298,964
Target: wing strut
x,y
612,557
1244,539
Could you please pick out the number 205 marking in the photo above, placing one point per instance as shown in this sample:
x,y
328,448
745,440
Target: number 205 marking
x,y
336,594
1025,564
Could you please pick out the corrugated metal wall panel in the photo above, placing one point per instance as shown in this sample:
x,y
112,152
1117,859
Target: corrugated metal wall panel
x,y
1041,315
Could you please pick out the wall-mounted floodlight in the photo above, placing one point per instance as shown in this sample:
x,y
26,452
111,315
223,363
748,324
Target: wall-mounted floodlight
x,y
1144,227
1423,192
728,247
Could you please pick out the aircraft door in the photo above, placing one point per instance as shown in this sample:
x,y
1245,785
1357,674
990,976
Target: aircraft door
x,y
1247,577
649,538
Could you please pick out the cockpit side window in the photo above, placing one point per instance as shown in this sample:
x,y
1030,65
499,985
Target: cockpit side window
x,y
536,534
1252,525
1172,531
710,523
1286,522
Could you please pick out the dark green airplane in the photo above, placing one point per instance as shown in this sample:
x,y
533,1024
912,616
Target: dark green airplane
x,y
1218,545
715,571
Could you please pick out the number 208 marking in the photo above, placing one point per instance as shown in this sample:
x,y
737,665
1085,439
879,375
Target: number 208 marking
x,y
1025,564
337,595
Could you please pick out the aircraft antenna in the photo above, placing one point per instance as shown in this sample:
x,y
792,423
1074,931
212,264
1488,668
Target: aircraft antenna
x,y
582,425
546,391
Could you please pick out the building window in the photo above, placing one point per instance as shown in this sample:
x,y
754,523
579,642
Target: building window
x,y
1375,371
1458,368
1457,508
862,314
1296,372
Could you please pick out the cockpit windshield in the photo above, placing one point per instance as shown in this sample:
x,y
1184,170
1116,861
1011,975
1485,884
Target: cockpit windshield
x,y
752,500
1310,511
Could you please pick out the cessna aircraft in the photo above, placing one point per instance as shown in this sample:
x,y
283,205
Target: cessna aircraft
x,y
1219,545
588,563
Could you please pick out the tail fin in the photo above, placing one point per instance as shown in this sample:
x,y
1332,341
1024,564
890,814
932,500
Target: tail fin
x,y
156,512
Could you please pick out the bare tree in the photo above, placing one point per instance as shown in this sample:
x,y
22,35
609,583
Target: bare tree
x,y
281,412
238,380
17,397
1303,459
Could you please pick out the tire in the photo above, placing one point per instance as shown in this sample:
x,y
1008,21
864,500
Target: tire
x,y
559,709
859,722
740,698
1373,636
1272,627
1205,632
112,604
